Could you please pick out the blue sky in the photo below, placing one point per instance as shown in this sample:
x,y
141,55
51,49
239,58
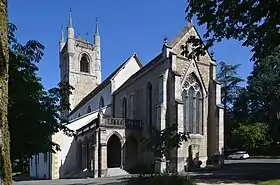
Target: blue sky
x,y
126,26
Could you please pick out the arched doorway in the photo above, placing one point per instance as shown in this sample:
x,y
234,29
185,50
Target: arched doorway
x,y
113,152
131,152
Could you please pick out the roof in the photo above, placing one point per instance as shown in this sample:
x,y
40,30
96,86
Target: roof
x,y
82,121
81,39
142,70
183,32
104,83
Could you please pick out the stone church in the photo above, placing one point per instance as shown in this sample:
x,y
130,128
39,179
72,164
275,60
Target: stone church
x,y
111,116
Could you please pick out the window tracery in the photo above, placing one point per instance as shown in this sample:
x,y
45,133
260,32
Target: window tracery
x,y
193,105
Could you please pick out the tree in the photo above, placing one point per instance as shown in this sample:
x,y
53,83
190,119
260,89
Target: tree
x,y
263,92
31,107
4,75
229,80
250,136
254,22
161,142
241,112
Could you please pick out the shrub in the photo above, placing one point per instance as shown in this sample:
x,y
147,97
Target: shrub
x,y
163,179
141,169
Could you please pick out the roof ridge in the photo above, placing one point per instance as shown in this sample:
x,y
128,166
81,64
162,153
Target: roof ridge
x,y
181,34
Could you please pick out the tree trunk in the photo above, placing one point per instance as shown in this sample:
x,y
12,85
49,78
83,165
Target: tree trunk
x,y
4,76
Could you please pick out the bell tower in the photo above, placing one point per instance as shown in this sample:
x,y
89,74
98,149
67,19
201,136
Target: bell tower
x,y
80,63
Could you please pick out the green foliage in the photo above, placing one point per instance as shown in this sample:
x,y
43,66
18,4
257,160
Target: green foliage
x,y
229,80
241,112
264,91
260,101
162,179
254,22
249,136
33,112
161,142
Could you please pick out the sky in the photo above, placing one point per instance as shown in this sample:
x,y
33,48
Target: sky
x,y
125,26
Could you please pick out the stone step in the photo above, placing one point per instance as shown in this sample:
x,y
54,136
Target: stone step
x,y
116,172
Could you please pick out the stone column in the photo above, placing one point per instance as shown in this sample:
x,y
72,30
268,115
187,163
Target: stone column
x,y
103,160
160,164
122,157
96,154
83,156
181,157
92,163
89,153
221,131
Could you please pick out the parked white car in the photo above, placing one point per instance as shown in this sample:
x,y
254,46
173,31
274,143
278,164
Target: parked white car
x,y
239,155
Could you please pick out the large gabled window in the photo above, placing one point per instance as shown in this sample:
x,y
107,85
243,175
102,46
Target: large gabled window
x,y
193,106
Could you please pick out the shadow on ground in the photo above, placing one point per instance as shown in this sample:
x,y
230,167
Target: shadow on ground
x,y
238,173
231,173
89,181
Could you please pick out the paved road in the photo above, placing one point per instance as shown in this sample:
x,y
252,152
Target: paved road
x,y
243,171
97,181
267,161
235,171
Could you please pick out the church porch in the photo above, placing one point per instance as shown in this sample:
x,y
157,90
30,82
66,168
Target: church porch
x,y
108,143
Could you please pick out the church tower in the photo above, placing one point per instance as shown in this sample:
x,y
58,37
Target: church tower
x,y
80,63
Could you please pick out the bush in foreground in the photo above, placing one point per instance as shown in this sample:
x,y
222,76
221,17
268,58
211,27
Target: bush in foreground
x,y
163,179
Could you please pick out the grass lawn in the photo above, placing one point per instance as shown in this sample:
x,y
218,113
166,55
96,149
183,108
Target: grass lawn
x,y
271,182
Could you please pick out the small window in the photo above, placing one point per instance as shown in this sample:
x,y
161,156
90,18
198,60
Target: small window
x,y
124,108
89,109
84,64
101,102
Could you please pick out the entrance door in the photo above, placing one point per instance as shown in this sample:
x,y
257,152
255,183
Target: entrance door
x,y
114,152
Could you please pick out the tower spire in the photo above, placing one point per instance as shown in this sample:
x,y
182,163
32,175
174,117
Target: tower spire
x,y
70,25
71,37
62,35
96,27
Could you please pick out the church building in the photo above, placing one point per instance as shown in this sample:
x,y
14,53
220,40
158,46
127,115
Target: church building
x,y
110,117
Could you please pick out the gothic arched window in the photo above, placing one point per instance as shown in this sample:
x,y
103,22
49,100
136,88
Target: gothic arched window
x,y
89,109
101,102
193,106
124,108
149,105
84,64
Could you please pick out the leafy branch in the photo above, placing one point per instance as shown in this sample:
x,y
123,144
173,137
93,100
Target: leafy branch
x,y
161,142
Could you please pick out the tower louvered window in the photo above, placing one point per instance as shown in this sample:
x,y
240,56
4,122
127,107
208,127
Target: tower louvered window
x,y
84,64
